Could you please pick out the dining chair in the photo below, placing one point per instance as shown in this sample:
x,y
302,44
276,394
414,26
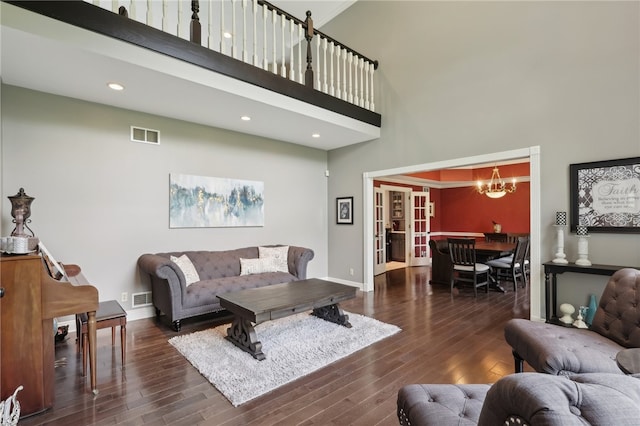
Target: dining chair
x,y
512,237
510,268
463,264
498,237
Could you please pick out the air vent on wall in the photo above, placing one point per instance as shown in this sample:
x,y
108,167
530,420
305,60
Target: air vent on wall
x,y
139,134
141,299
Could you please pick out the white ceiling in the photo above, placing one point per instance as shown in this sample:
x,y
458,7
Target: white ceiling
x,y
43,54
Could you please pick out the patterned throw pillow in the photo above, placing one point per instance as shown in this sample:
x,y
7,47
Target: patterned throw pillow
x,y
187,268
257,266
279,254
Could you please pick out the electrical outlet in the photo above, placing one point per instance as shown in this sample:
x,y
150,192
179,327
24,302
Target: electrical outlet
x,y
124,297
351,271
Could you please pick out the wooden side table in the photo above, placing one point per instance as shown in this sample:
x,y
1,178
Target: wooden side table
x,y
629,360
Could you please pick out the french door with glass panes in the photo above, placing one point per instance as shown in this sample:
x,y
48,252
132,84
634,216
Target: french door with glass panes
x,y
420,228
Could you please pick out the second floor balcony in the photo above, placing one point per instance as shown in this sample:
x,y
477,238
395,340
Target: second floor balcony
x,y
73,48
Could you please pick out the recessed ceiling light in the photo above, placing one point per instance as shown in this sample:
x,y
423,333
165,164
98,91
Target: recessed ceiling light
x,y
245,118
227,35
315,135
115,86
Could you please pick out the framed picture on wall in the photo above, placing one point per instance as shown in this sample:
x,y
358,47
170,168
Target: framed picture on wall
x,y
344,212
605,195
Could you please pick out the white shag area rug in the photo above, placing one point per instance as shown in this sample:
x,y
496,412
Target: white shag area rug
x,y
294,347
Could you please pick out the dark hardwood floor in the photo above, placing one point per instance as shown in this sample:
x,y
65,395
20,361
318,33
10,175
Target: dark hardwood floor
x,y
445,338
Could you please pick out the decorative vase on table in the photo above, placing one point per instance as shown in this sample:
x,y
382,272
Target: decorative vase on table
x,y
591,312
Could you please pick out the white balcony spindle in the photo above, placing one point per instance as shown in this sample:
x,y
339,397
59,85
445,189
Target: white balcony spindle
x,y
316,63
256,61
283,66
223,47
292,69
133,10
300,60
361,87
149,13
210,28
366,84
265,62
274,20
338,93
165,16
344,75
332,90
234,48
114,6
325,87
245,57
350,95
372,105
356,86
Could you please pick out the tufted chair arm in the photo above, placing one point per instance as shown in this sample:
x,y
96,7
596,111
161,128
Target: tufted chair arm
x,y
582,399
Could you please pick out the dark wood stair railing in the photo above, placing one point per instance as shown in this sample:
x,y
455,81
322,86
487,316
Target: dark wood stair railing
x,y
94,18
309,33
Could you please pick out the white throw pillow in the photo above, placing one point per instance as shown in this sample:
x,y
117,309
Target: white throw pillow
x,y
279,254
187,268
257,266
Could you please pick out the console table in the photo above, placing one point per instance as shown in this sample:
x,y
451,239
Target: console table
x,y
551,270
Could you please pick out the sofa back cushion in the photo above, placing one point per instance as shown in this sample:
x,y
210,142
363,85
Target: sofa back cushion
x,y
219,264
618,313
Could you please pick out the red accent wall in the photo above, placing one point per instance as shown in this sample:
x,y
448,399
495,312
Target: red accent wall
x,y
464,210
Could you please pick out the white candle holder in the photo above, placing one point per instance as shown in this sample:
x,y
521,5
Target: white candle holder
x,y
560,256
583,246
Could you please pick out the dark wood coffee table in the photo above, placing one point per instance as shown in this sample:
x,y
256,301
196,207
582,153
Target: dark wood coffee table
x,y
257,305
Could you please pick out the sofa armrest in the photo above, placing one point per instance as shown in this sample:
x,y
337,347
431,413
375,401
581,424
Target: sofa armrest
x,y
298,259
160,266
536,398
162,269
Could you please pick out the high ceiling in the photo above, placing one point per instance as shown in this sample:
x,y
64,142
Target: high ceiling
x,y
42,54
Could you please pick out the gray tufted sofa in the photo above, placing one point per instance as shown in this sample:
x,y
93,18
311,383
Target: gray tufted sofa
x,y
219,272
525,399
555,349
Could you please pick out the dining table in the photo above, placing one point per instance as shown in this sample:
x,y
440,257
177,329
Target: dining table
x,y
485,251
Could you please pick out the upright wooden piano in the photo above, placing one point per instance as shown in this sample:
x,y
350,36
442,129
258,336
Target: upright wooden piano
x,y
30,300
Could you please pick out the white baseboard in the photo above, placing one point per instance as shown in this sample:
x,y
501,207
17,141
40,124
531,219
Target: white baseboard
x,y
345,282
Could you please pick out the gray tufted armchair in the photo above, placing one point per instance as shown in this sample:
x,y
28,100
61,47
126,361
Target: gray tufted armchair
x,y
562,350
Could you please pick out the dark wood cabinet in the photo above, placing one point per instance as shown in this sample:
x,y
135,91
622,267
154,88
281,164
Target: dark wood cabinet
x,y
397,247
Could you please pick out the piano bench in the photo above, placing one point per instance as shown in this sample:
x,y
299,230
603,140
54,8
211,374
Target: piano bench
x,y
109,315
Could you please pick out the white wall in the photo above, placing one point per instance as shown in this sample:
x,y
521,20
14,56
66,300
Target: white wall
x,y
460,79
101,200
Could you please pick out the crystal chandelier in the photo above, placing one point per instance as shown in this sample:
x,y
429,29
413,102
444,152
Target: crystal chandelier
x,y
496,188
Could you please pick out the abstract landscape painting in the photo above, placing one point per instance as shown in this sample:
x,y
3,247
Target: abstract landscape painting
x,y
200,201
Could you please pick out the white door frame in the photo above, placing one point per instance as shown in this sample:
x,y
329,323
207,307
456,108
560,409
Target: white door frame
x,y
531,153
